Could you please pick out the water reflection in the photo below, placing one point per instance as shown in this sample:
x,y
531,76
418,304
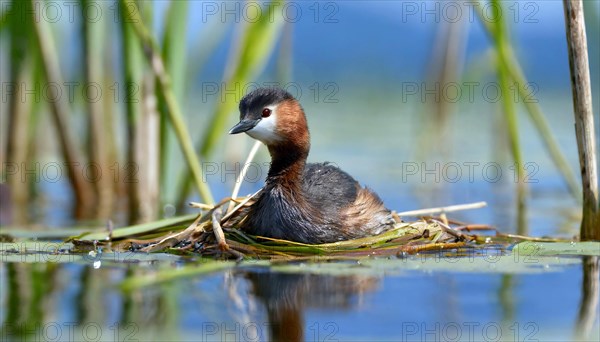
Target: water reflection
x,y
286,297
588,308
41,301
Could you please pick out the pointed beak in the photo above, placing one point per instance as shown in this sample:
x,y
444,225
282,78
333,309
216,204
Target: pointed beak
x,y
243,126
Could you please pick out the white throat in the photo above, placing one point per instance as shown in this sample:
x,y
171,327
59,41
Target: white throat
x,y
266,129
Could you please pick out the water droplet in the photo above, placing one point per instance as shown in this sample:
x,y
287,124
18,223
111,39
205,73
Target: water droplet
x,y
97,264
168,210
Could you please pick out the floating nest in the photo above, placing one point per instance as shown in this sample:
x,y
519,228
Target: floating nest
x,y
207,235
213,233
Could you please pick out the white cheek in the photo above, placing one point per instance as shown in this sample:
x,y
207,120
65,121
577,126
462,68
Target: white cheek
x,y
266,129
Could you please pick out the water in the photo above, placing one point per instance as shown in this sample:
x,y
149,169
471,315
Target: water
x,y
416,298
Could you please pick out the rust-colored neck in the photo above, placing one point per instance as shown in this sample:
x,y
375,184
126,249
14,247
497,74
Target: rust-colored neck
x,y
288,157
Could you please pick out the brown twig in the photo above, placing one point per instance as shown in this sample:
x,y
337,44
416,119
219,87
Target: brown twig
x,y
474,227
460,236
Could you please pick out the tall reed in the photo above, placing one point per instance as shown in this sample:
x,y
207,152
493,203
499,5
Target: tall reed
x,y
584,117
255,47
60,109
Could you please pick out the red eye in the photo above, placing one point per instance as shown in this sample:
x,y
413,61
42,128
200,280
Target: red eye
x,y
266,113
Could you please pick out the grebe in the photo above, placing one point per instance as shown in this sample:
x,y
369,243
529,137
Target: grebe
x,y
308,203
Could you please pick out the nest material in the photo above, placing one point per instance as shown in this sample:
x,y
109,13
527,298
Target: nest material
x,y
207,236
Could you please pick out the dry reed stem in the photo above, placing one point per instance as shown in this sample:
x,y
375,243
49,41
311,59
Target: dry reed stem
x,y
217,230
584,117
441,210
201,206
236,208
168,241
242,175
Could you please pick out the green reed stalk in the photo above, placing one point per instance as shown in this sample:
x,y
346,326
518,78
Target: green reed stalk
x,y
133,63
256,46
19,111
534,111
500,37
152,52
174,56
60,112
98,138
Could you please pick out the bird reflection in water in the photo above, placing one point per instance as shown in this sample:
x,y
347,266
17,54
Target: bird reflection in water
x,y
286,296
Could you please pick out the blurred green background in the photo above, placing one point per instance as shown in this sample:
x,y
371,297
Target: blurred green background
x,y
430,103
